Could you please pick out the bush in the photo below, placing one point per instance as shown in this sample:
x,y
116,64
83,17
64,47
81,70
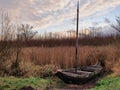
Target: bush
x,y
28,69
48,70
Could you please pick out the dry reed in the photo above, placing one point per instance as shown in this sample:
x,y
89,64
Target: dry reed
x,y
64,57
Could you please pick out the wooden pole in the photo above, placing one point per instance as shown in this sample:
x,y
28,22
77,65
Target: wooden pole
x,y
76,45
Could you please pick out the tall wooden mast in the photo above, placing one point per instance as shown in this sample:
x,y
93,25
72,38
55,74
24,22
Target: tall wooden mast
x,y
76,45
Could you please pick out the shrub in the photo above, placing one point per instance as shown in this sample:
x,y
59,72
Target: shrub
x,y
48,70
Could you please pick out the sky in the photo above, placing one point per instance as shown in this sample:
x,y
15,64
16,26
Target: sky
x,y
60,15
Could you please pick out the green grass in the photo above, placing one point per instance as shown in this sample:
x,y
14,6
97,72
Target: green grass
x,y
12,83
108,83
59,84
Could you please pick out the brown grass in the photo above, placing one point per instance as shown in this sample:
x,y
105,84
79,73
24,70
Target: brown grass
x,y
63,57
43,61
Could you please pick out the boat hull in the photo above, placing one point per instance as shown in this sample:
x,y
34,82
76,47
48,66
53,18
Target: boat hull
x,y
78,78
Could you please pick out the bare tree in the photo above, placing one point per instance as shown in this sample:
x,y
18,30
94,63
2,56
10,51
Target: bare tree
x,y
25,32
5,37
15,67
117,27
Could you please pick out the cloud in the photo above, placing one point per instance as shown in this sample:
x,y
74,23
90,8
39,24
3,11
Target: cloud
x,y
96,6
44,13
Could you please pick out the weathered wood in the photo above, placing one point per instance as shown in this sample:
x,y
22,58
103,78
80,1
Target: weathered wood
x,y
82,75
76,45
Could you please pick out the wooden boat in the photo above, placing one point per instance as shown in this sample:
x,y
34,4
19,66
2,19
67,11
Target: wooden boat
x,y
83,74
79,75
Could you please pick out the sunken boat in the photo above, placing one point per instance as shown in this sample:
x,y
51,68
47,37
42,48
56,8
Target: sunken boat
x,y
79,75
82,76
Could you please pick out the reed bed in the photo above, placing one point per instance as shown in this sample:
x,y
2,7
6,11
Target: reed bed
x,y
44,61
64,57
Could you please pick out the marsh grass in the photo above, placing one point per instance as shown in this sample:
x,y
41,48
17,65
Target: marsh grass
x,y
12,83
64,57
44,61
108,83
